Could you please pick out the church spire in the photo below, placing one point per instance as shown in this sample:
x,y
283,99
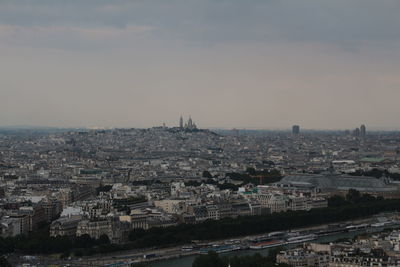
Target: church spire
x,y
181,122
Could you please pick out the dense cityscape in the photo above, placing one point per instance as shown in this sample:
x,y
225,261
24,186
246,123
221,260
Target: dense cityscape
x,y
200,133
85,192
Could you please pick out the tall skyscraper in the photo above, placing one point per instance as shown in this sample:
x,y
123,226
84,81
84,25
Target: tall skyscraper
x,y
356,132
296,129
363,131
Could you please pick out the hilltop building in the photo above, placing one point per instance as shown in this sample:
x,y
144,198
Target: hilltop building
x,y
189,125
181,123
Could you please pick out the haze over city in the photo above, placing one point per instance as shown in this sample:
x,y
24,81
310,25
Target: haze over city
x,y
202,133
249,64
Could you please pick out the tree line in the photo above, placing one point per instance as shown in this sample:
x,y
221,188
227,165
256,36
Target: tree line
x,y
352,207
253,176
249,225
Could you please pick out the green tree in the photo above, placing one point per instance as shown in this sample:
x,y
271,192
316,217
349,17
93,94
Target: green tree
x,y
251,171
4,262
337,201
207,174
103,188
353,196
136,234
84,241
103,239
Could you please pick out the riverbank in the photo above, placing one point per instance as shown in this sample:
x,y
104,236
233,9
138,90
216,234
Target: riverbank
x,y
324,233
183,254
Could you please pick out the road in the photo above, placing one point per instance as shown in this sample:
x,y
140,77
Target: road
x,y
169,252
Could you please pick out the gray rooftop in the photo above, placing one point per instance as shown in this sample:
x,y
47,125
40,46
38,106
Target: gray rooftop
x,y
340,182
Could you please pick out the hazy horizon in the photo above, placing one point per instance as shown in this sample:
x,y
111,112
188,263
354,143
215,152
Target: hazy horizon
x,y
284,129
229,64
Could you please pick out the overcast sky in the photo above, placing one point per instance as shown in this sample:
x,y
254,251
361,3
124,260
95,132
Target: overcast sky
x,y
321,64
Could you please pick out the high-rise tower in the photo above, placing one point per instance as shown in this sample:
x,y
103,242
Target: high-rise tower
x,y
357,132
363,131
295,129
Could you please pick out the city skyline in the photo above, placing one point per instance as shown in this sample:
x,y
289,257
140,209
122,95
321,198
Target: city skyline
x,y
188,123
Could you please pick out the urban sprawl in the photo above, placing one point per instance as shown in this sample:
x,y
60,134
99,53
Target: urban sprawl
x,y
112,184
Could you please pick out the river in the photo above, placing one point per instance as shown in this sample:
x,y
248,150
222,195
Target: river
x,y
187,261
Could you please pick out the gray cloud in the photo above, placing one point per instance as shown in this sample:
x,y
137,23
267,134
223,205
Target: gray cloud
x,y
256,63
340,21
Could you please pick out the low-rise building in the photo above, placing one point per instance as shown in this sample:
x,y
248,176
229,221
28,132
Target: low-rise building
x,y
65,226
